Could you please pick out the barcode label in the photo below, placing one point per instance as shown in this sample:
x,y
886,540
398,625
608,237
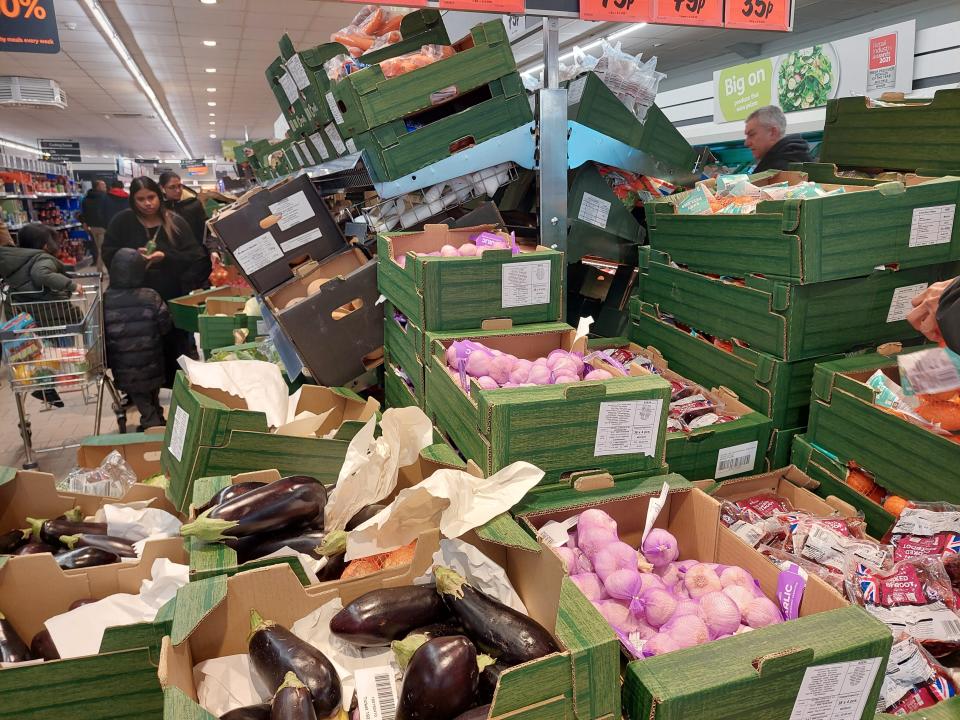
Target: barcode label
x,y
376,693
930,371
735,459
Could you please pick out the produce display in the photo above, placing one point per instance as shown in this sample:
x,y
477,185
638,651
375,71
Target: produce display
x,y
372,28
939,413
736,195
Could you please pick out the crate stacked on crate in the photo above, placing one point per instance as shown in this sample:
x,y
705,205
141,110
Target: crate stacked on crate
x,y
752,301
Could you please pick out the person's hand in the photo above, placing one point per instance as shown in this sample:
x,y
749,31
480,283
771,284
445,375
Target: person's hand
x,y
923,317
79,290
155,256
214,258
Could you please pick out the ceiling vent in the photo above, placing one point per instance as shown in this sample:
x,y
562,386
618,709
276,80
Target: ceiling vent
x,y
126,116
31,92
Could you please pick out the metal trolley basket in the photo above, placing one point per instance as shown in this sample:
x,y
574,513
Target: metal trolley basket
x,y
57,345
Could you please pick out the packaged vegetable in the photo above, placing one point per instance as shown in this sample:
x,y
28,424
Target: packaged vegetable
x,y
914,680
927,529
426,55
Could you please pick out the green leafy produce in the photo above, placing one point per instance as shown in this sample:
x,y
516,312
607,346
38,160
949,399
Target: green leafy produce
x,y
805,79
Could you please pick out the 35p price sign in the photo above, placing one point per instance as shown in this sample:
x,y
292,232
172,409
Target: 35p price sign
x,y
28,26
629,11
705,13
759,14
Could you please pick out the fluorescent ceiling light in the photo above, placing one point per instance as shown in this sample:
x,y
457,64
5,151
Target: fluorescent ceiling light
x,y
211,89
108,31
210,70
213,122
212,114
590,45
210,43
23,148
208,2
212,104
213,136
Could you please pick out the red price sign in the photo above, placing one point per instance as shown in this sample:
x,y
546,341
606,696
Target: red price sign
x,y
759,14
707,13
488,6
402,3
632,11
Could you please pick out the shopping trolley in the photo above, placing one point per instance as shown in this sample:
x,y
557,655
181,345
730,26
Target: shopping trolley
x,y
57,346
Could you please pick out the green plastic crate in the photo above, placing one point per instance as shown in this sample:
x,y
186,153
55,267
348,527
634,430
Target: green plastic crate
x,y
778,451
186,310
403,345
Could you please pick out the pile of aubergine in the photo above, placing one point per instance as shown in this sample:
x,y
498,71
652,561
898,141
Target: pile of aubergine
x,y
13,649
259,518
74,542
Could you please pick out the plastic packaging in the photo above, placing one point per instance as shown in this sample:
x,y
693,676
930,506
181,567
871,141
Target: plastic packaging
x,y
914,680
372,28
426,55
111,479
633,81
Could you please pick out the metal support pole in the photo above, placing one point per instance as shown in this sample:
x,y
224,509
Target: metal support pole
x,y
553,143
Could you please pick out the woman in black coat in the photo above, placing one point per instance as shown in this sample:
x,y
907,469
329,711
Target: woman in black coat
x,y
185,203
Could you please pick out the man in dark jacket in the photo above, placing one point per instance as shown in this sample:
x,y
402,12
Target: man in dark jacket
x,y
135,321
772,148
113,202
92,217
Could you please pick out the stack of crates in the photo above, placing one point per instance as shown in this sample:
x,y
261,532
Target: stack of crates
x,y
405,122
752,302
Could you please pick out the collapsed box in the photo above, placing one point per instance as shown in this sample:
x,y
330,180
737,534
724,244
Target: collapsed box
x,y
817,239
213,620
186,310
905,459
459,293
755,674
791,322
119,681
613,426
210,432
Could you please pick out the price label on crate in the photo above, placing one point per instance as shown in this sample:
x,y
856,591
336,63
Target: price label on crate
x,y
758,14
631,11
488,6
707,13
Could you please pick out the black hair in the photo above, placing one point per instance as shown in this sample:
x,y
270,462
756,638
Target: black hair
x,y
166,176
148,183
116,184
38,237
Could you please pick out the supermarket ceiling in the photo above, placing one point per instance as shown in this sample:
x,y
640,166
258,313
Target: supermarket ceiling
x,y
110,114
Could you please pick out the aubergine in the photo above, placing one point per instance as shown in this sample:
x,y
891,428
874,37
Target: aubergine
x,y
284,503
506,634
118,546
85,557
42,646
275,651
441,680
481,712
230,492
12,648
256,546
35,548
381,616
80,603
489,678
362,515
444,628
11,541
49,531
248,712
292,701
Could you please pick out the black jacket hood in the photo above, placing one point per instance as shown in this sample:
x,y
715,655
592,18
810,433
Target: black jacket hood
x,y
127,269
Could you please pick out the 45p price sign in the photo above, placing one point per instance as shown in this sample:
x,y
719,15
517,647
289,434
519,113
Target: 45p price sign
x,y
628,11
759,14
705,13
28,26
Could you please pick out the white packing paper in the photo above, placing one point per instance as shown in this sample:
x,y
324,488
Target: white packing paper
x,y
259,383
306,424
79,632
453,500
369,471
310,566
133,524
227,683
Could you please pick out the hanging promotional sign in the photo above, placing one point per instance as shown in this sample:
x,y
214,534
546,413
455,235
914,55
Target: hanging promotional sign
x,y
702,13
758,14
28,26
631,11
869,64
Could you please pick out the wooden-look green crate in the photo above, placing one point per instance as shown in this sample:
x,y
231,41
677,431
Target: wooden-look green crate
x,y
418,28
613,426
778,389
592,104
210,432
855,135
403,344
829,173
752,675
600,224
117,683
791,322
392,150
904,458
221,317
186,310
460,293
397,393
830,473
818,239
212,620
781,441
720,451
367,98
290,103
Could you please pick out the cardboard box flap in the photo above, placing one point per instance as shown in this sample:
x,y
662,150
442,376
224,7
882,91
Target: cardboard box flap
x,y
195,600
503,530
141,451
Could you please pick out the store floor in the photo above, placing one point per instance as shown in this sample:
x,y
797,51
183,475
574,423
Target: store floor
x,y
57,427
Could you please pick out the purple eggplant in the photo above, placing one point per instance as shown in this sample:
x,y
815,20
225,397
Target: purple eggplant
x,y
80,603
256,546
42,646
363,514
249,712
478,713
284,503
230,492
489,678
275,651
85,557
507,634
381,616
441,680
12,648
118,546
11,541
49,531
35,548
445,628
292,701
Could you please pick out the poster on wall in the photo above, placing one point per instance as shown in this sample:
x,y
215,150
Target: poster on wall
x,y
869,64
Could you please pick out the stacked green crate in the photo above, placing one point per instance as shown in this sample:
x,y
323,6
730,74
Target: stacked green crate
x,y
752,302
